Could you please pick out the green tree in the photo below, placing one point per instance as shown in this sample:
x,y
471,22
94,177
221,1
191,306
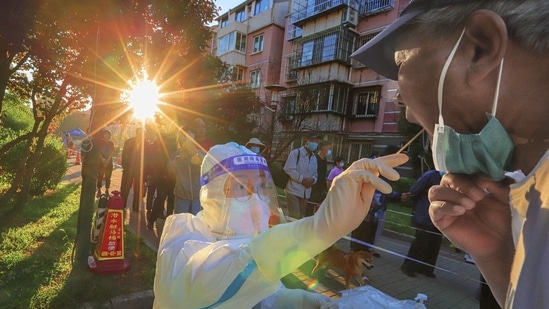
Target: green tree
x,y
82,52
231,115
79,52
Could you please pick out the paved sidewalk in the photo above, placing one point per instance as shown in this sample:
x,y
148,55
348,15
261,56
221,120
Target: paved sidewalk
x,y
455,286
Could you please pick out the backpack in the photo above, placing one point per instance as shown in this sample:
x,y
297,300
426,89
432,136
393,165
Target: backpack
x,y
280,178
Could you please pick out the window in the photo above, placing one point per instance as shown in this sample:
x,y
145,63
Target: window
x,y
329,47
367,102
224,22
240,15
232,41
255,79
322,98
240,43
372,7
237,74
364,39
289,106
358,150
260,6
258,44
339,98
307,53
320,49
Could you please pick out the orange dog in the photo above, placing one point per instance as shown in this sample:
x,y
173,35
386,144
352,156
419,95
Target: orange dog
x,y
353,264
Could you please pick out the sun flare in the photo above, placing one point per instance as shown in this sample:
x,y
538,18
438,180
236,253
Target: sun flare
x,y
143,98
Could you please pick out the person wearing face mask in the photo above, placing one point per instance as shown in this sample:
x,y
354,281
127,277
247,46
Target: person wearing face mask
x,y
339,164
423,252
372,225
319,189
255,145
302,168
233,253
474,75
184,166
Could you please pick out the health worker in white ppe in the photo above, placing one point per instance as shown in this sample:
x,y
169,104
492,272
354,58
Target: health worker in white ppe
x,y
234,252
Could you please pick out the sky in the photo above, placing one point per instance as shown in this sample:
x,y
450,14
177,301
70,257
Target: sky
x,y
227,4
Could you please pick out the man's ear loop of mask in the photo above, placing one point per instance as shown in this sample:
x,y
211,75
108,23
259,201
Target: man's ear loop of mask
x,y
443,77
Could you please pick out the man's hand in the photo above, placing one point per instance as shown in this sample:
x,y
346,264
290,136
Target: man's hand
x,y
473,212
308,182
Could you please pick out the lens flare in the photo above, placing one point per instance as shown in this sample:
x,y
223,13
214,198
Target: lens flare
x,y
143,99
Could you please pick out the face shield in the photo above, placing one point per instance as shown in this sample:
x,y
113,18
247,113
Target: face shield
x,y
239,197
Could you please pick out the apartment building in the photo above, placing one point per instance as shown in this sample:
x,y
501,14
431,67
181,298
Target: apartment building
x,y
249,38
306,47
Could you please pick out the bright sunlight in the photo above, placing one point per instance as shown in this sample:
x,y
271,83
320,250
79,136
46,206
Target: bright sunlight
x,y
143,99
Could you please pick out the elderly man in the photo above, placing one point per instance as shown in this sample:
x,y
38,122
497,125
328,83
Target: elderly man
x,y
255,145
474,75
301,166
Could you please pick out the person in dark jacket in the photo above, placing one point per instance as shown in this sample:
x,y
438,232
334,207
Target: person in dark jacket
x,y
165,146
132,166
320,188
368,230
426,245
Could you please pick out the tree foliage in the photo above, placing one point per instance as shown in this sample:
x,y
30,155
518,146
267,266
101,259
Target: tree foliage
x,y
231,115
64,55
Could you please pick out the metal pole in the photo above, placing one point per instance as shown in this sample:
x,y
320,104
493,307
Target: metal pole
x,y
275,89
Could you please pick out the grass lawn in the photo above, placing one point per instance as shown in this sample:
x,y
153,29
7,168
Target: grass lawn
x,y
398,218
36,252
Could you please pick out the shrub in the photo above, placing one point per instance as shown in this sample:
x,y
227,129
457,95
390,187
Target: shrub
x,y
48,175
17,120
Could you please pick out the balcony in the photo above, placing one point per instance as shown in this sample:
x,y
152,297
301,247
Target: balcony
x,y
373,7
293,32
305,10
331,45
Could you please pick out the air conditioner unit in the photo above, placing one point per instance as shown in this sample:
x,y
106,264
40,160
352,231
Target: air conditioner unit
x,y
350,17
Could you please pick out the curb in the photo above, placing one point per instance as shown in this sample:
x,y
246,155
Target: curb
x,y
139,300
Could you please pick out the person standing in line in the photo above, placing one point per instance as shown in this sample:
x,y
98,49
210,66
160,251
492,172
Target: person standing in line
x,y
368,229
199,128
319,189
185,166
301,166
339,164
255,145
132,175
166,145
393,196
152,149
67,142
427,241
105,165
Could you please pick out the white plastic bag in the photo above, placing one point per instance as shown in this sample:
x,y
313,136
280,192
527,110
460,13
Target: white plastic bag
x,y
369,297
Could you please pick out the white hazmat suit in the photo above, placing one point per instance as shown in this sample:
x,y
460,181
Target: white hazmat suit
x,y
227,257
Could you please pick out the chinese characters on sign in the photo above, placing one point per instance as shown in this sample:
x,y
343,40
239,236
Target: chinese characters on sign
x,y
112,245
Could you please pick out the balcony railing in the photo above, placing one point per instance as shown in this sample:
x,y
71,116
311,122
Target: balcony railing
x,y
373,7
293,32
304,10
